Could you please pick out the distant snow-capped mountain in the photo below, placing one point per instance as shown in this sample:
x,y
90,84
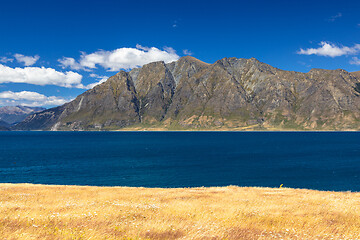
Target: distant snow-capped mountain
x,y
15,114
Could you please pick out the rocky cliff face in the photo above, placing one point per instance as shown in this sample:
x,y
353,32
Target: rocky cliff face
x,y
231,94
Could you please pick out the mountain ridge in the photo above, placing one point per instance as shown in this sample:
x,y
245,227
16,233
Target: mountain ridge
x,y
15,114
230,94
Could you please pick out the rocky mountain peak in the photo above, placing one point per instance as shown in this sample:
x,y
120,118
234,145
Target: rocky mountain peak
x,y
192,60
232,93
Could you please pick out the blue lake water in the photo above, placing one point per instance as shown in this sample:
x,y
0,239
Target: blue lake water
x,y
314,160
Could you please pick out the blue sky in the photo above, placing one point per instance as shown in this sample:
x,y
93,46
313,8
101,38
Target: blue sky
x,y
51,51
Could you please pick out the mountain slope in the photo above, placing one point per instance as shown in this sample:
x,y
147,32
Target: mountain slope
x,y
4,126
230,94
15,114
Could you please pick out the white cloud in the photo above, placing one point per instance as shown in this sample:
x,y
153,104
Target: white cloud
x,y
138,46
330,50
32,99
67,62
26,60
101,80
39,76
5,59
355,61
121,58
175,24
90,86
333,18
187,52
169,50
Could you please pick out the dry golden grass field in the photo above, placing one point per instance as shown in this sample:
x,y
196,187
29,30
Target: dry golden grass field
x,y
75,212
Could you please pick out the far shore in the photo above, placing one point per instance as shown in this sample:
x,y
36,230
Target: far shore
x,y
187,130
30,211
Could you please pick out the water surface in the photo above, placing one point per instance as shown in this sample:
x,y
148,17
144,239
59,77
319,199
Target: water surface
x,y
315,160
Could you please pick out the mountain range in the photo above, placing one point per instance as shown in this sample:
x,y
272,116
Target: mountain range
x,y
4,126
230,94
10,115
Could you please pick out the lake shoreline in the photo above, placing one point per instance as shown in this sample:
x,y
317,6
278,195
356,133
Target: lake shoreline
x,y
170,188
190,130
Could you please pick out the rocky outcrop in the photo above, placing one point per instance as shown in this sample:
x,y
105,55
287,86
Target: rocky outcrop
x,y
230,94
